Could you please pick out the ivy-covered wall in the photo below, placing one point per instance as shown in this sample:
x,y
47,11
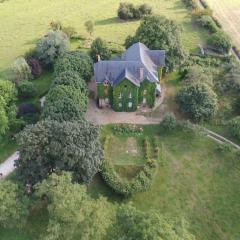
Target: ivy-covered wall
x,y
125,103
104,91
147,90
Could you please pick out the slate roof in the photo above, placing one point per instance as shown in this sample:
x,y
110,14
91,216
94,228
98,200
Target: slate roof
x,y
137,57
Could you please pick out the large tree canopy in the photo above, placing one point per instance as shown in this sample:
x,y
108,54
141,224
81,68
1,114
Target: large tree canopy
x,y
133,224
72,213
198,101
13,207
65,103
8,96
51,46
76,61
99,47
158,32
49,145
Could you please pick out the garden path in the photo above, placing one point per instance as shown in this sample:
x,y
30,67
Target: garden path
x,y
8,166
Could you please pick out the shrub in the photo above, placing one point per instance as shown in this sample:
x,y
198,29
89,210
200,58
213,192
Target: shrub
x,y
75,61
89,25
20,70
99,48
198,74
26,89
234,126
220,41
123,129
51,46
169,121
56,25
70,78
128,11
35,66
198,101
191,3
116,48
28,112
208,23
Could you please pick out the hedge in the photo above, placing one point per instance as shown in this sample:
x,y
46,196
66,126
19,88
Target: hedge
x,y
141,182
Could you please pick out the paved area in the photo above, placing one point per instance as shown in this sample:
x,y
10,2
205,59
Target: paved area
x,y
8,166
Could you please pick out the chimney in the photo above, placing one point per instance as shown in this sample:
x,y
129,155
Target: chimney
x,y
98,58
141,74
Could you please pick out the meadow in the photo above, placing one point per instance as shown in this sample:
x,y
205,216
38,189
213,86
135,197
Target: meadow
x,y
23,23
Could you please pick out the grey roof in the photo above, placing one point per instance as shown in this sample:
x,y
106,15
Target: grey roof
x,y
137,57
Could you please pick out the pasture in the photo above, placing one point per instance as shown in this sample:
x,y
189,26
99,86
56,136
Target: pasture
x,y
23,23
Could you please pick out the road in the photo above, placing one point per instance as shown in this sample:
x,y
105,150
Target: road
x,y
8,166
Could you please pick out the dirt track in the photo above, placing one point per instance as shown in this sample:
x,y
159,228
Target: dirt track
x,y
228,13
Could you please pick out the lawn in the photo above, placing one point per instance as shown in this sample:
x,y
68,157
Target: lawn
x,y
23,23
195,180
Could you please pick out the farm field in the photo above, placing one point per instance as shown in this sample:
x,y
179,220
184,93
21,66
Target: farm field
x,y
228,13
31,21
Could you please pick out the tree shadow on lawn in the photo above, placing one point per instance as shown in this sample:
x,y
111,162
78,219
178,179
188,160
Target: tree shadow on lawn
x,y
109,21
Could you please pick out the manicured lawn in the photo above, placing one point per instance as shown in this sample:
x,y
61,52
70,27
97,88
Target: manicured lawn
x,y
195,180
23,23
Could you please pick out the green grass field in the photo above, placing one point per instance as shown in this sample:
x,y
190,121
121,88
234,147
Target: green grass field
x,y
23,23
195,180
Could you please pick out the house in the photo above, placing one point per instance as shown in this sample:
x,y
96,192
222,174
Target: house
x,y
131,81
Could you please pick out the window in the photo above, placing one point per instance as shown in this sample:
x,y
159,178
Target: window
x,y
130,104
130,95
145,92
120,105
144,100
120,95
107,100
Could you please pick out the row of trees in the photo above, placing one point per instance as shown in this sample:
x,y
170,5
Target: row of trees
x,y
73,214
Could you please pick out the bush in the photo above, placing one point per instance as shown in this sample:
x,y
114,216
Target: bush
x,y
220,41
123,129
169,121
20,70
75,61
28,112
26,89
208,23
35,66
70,78
128,11
198,74
198,101
51,46
99,48
69,31
234,127
191,3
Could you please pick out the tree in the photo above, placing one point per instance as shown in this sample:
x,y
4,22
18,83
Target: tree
x,y
220,41
198,101
49,145
20,70
99,48
8,94
158,32
75,61
89,25
13,207
134,224
35,66
71,78
26,89
72,213
51,46
65,103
